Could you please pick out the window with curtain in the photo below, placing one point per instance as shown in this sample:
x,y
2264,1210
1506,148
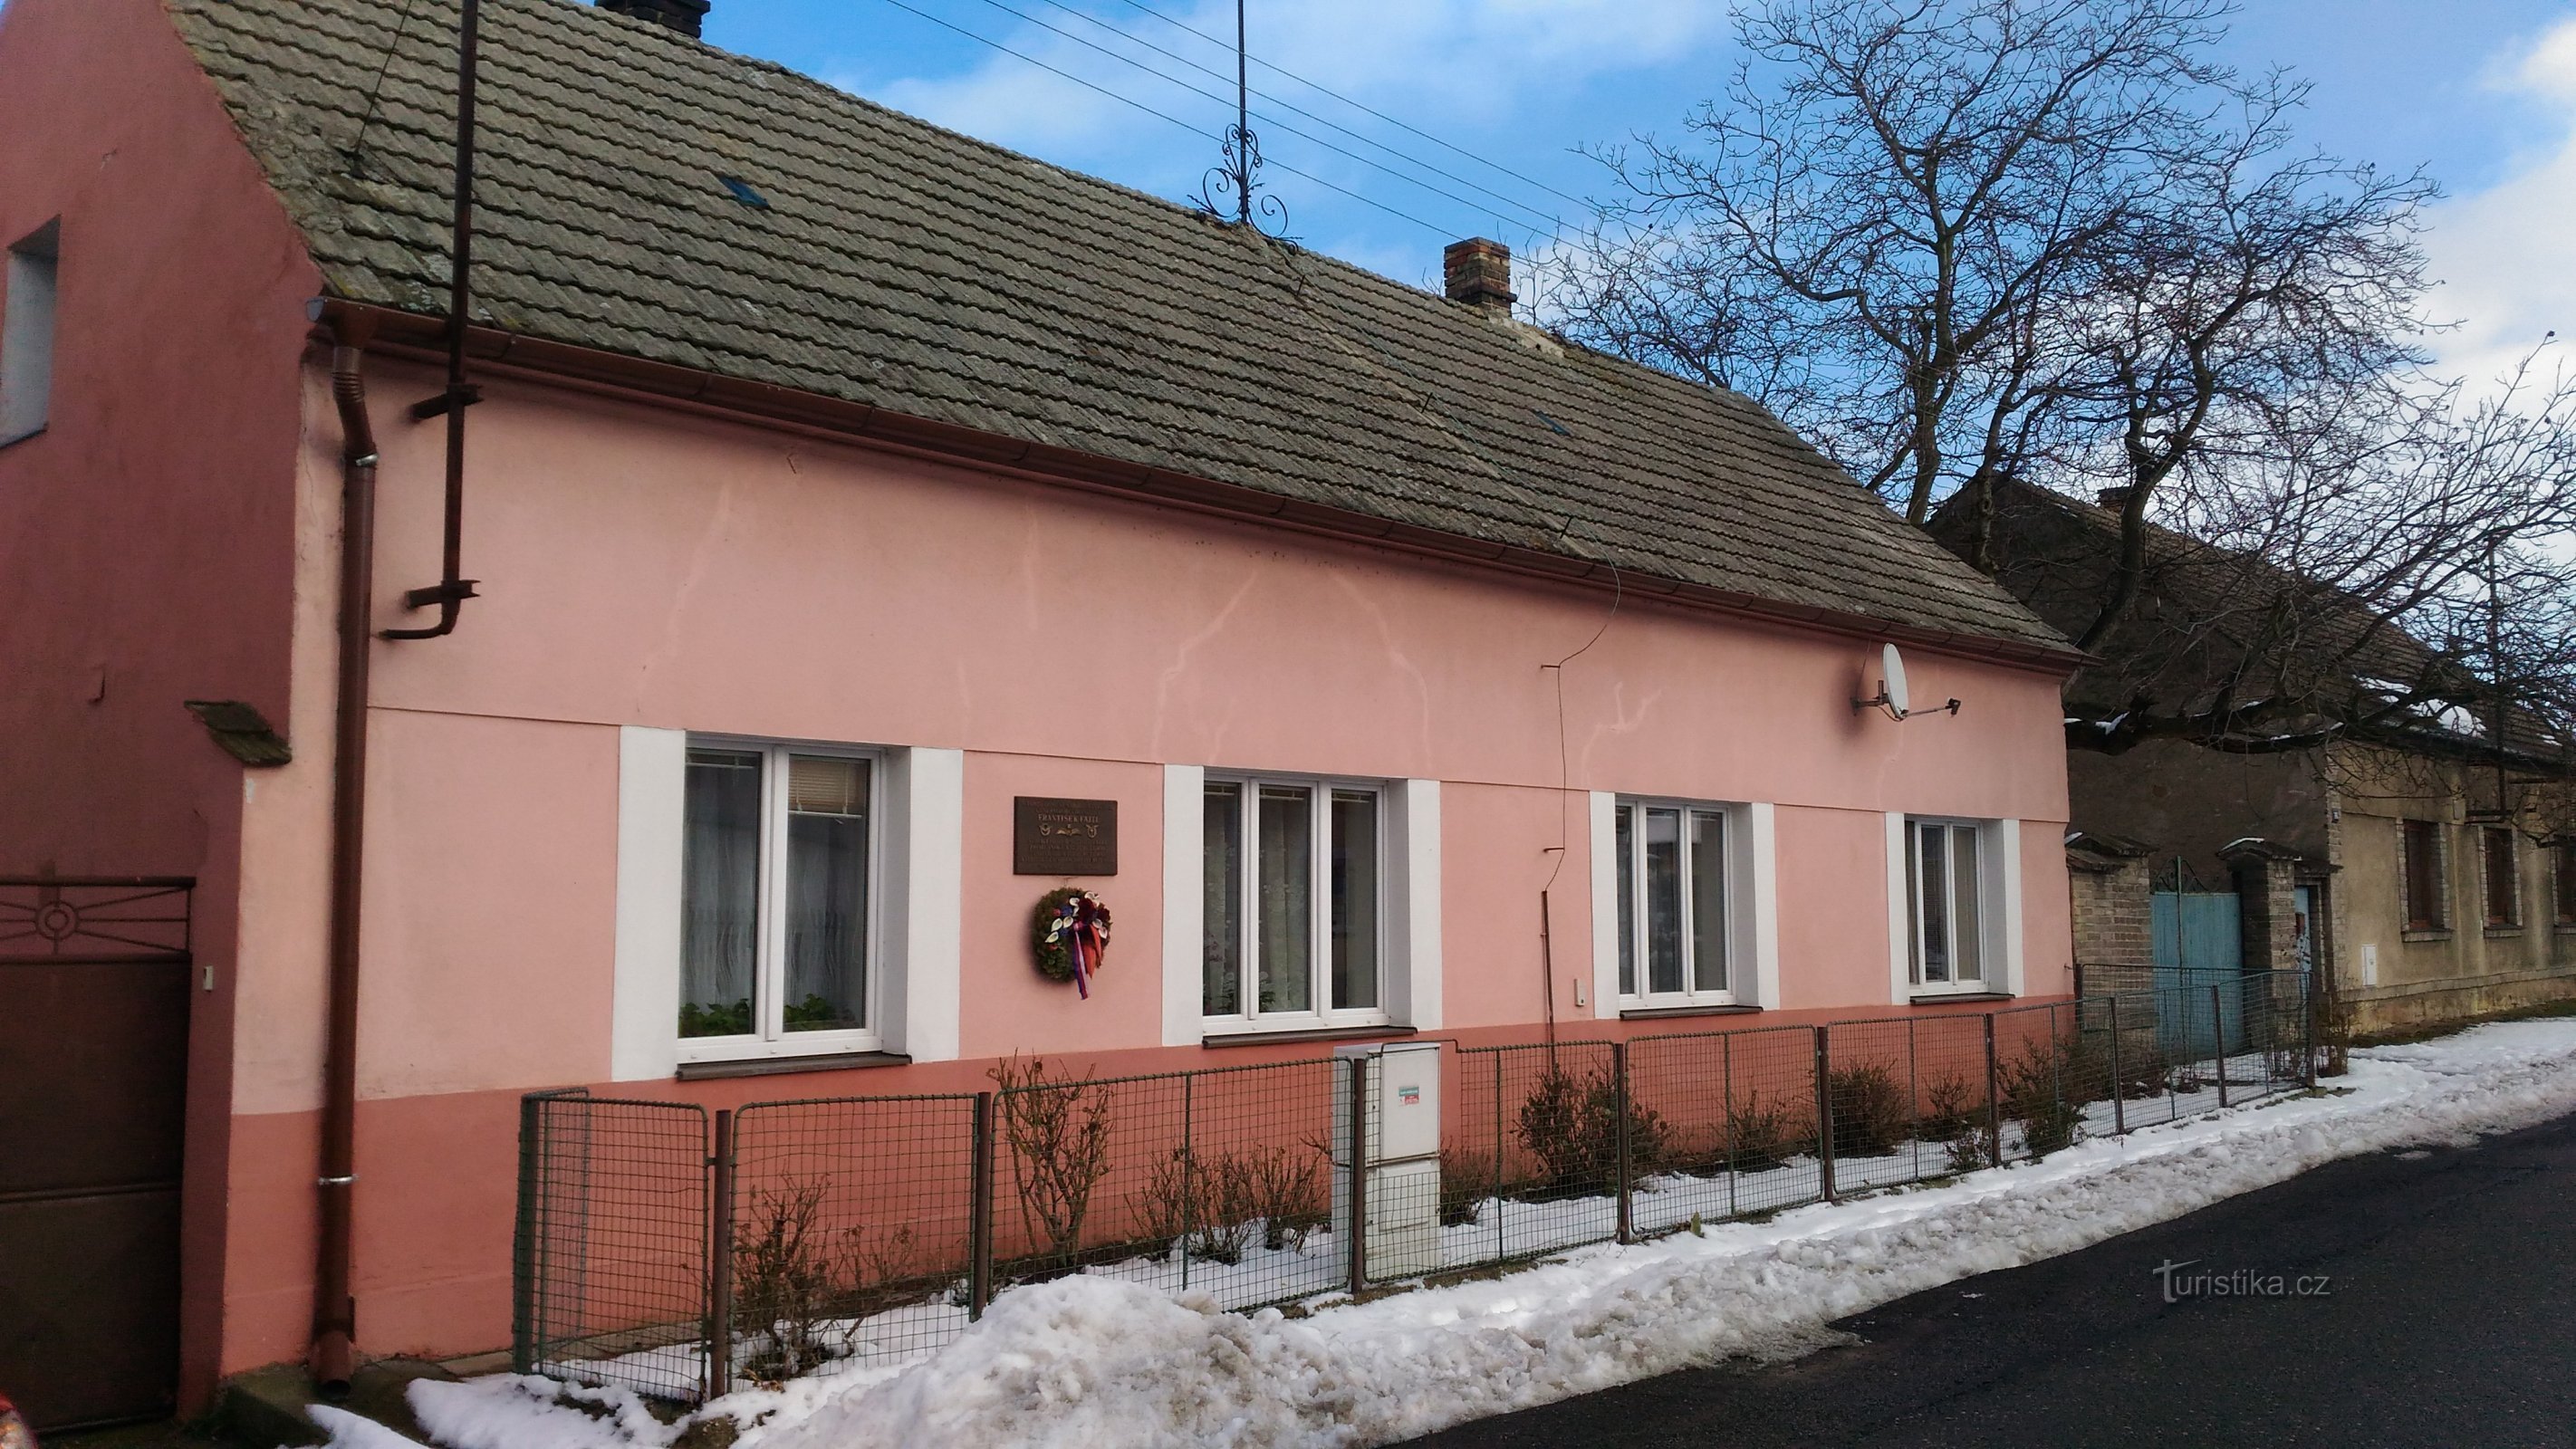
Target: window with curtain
x,y
776,893
1944,879
1673,907
1294,905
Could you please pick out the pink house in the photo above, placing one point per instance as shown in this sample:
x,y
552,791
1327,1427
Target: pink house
x,y
869,531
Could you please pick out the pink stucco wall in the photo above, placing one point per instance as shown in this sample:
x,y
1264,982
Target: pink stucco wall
x,y
643,566
146,537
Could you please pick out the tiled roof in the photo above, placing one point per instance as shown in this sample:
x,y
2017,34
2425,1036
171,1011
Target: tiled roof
x,y
2201,605
912,269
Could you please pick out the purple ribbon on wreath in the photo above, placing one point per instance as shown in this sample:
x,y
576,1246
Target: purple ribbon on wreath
x,y
1084,927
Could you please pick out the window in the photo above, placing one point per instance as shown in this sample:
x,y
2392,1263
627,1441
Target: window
x,y
2564,855
1945,906
1294,874
2503,879
27,335
1672,904
2419,853
777,880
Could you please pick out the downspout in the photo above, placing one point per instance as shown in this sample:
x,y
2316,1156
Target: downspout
x,y
334,1309
333,1353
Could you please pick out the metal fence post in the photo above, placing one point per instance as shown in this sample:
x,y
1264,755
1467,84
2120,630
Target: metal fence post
x,y
1627,1201
1502,1242
1824,1115
1726,1104
720,1262
2119,1085
526,1328
1358,1067
1189,1172
1994,1102
979,1230
2218,1040
2308,1009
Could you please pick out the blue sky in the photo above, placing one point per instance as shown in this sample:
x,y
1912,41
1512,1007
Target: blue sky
x,y
2481,91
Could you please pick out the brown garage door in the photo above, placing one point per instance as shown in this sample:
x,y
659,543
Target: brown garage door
x,y
94,992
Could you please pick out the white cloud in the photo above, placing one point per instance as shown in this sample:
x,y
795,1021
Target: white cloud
x,y
2507,255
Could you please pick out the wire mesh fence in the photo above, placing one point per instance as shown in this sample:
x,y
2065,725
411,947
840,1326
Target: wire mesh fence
x,y
1214,1181
611,1262
847,1229
682,1256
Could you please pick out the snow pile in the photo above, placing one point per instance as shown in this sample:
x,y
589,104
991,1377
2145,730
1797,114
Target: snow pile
x,y
1093,1361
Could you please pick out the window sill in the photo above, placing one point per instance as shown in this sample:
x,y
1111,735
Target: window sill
x,y
2503,933
1284,1038
780,1066
1658,1013
1935,998
2411,937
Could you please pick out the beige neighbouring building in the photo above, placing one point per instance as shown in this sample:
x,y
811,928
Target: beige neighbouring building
x,y
2424,874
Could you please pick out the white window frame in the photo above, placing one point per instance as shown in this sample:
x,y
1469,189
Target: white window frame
x,y
770,1038
1252,1019
1731,845
1999,936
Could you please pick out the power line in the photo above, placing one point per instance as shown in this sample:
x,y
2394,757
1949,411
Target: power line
x,y
1158,115
1551,222
1359,105
358,142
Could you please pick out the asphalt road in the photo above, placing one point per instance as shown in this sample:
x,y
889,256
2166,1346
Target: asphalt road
x,y
2446,1316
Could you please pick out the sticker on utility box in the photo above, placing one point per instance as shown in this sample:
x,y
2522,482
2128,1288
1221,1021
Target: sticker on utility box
x,y
1409,1096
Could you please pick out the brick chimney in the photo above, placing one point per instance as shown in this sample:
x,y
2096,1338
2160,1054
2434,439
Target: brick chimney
x,y
683,16
1479,273
2114,499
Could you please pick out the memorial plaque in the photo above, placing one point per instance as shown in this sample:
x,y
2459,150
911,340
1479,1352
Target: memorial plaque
x,y
1064,837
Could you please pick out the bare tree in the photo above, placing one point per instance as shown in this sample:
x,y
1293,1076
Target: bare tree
x,y
2049,251
1868,233
2265,291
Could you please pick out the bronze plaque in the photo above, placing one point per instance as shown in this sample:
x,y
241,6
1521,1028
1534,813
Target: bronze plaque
x,y
1064,837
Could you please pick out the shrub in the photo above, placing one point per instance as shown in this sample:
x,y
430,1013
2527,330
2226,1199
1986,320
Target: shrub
x,y
2034,1094
799,1290
1947,1110
1572,1128
782,1286
1870,1112
1968,1149
1058,1131
2334,1034
1162,1205
1225,1209
1466,1180
1762,1135
1288,1192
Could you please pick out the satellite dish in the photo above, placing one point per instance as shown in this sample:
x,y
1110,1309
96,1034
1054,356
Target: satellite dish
x,y
1891,684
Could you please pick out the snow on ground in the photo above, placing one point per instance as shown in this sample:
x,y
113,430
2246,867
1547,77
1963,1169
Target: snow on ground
x,y
1098,1361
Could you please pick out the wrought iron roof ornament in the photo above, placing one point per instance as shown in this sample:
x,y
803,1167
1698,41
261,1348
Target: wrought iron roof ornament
x,y
1240,171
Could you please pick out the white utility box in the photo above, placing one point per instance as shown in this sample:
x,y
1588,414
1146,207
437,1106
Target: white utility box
x,y
1399,1151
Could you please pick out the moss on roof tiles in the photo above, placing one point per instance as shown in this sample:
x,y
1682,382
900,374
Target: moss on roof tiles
x,y
914,269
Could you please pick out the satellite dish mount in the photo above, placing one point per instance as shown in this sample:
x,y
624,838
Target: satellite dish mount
x,y
1893,697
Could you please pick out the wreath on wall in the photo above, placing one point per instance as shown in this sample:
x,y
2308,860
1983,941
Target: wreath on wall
x,y
1070,933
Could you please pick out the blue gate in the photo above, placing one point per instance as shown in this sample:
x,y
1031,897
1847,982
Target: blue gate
x,y
2199,942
